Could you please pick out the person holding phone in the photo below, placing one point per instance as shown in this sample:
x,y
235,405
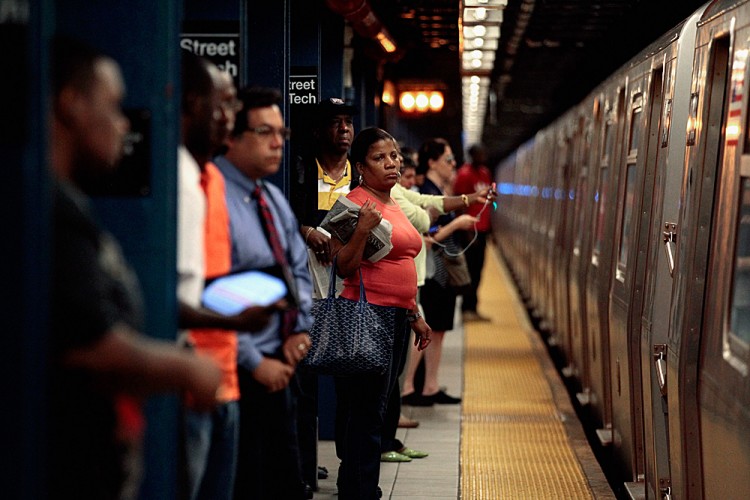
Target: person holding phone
x,y
471,177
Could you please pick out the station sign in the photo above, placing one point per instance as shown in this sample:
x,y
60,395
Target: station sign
x,y
217,41
303,85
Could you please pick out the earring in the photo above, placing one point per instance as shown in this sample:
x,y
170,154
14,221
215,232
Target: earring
x,y
361,180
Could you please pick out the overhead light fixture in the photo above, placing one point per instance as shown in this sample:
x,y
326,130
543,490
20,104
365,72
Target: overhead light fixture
x,y
480,33
421,101
389,93
486,3
480,30
386,41
482,15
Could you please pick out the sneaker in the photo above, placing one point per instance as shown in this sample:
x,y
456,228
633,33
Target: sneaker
x,y
441,398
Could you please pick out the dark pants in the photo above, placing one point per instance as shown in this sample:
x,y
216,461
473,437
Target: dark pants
x,y
388,441
307,426
268,463
360,411
475,262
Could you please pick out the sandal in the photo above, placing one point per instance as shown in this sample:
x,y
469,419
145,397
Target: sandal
x,y
394,456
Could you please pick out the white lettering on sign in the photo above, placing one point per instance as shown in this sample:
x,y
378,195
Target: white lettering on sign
x,y
208,48
303,89
222,49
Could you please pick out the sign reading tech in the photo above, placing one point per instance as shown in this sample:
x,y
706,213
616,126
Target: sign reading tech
x,y
303,85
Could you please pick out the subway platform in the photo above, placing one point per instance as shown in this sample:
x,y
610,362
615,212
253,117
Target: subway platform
x,y
514,436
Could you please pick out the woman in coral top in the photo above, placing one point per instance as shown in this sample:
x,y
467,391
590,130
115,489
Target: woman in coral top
x,y
391,281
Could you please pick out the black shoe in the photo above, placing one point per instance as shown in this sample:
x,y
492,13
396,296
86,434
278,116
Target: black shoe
x,y
441,398
380,492
309,491
322,472
415,399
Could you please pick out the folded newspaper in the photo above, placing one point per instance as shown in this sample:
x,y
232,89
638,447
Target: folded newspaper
x,y
341,221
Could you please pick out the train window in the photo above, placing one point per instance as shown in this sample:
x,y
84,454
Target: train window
x,y
666,119
601,197
580,210
609,142
692,119
635,124
627,217
739,319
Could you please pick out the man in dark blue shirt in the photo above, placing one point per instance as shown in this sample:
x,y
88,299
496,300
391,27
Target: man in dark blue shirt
x,y
265,236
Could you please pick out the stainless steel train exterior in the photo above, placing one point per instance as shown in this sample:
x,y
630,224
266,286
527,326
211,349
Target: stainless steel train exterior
x,y
626,224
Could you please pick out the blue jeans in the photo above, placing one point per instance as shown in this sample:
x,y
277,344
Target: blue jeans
x,y
211,447
360,409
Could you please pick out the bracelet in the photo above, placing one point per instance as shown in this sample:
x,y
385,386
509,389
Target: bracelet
x,y
465,199
308,233
412,317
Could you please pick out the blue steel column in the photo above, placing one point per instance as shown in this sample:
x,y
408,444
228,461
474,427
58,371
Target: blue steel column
x,y
24,255
266,34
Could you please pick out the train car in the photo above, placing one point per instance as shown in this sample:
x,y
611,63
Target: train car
x,y
637,201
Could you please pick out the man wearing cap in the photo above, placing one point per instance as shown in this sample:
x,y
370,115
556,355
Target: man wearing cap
x,y
322,178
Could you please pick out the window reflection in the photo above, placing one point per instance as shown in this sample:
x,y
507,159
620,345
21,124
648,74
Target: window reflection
x,y
740,313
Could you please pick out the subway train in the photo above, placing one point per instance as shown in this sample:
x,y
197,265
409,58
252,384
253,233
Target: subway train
x,y
626,225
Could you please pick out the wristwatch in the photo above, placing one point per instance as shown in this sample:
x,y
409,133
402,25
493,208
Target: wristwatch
x,y
465,200
412,317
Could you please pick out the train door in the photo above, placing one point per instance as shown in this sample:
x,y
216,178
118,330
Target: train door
x,y
576,216
561,251
565,208
585,208
697,253
724,352
625,370
655,317
599,272
645,388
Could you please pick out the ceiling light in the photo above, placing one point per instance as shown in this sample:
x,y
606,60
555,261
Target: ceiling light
x,y
422,102
436,101
386,42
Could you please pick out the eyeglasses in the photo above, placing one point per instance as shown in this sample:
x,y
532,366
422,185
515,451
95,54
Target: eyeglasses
x,y
449,158
266,131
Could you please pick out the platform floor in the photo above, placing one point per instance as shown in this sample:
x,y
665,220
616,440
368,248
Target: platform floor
x,y
515,435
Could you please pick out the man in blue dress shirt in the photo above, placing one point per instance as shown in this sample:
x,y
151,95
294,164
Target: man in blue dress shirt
x,y
265,236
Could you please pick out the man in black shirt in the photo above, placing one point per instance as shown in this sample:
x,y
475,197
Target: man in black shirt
x,y
99,364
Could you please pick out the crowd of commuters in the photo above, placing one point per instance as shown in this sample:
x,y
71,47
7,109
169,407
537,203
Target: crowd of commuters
x,y
249,413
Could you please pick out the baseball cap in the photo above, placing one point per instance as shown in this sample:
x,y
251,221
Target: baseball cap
x,y
333,106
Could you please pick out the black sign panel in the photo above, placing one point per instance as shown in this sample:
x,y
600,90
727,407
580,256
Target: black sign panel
x,y
303,85
217,41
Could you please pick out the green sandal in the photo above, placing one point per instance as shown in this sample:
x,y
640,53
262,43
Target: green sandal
x,y
393,456
412,453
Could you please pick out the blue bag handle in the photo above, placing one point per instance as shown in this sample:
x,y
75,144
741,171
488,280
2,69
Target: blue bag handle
x,y
332,287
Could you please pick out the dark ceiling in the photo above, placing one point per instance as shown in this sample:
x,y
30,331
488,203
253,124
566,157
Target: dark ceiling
x,y
551,53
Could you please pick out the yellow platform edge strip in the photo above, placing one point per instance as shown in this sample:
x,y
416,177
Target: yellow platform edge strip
x,y
519,438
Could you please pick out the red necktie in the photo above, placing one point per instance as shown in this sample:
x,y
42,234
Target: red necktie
x,y
272,235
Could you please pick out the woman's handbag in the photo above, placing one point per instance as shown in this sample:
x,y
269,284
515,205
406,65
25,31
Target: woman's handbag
x,y
457,269
350,337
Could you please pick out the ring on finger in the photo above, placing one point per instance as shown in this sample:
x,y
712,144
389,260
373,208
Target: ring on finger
x,y
301,347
